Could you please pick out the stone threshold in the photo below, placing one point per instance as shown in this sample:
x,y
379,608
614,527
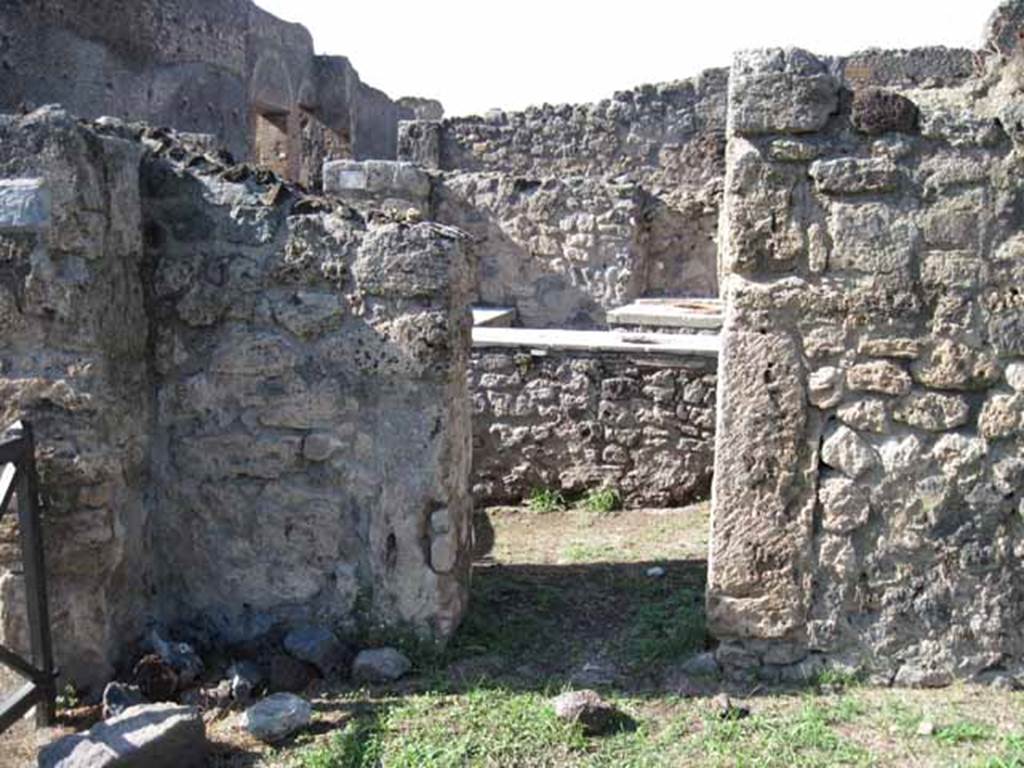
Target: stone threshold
x,y
670,313
682,344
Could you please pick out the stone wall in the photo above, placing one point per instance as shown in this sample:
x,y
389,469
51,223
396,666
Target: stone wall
x,y
72,361
868,467
579,208
666,136
251,405
577,421
561,251
210,67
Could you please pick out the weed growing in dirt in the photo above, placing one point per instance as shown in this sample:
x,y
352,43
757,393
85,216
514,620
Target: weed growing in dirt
x,y
601,501
544,500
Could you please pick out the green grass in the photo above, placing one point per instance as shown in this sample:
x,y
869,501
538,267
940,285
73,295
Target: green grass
x,y
963,732
837,677
485,698
601,500
546,500
665,625
806,738
358,745
1010,756
501,727
68,698
482,727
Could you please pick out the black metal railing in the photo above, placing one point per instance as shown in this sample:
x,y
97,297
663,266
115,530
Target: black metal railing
x,y
18,481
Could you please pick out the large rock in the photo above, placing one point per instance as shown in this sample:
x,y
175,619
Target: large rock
x,y
878,111
320,647
380,665
879,376
780,91
148,736
277,717
848,452
588,709
932,411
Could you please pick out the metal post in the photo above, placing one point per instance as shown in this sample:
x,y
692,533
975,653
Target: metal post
x,y
35,579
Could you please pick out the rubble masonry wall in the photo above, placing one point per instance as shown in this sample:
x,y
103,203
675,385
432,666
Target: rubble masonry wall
x,y
577,421
869,460
578,209
250,405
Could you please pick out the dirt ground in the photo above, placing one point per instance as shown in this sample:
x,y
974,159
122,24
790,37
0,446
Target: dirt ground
x,y
611,601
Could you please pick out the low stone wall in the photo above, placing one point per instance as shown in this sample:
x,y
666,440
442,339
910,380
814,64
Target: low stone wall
x,y
250,405
577,420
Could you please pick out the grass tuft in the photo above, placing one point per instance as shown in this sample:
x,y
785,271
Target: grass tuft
x,y
963,732
601,501
546,500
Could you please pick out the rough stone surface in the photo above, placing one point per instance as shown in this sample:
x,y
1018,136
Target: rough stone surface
x,y
576,209
310,428
877,525
588,709
289,675
72,362
780,91
579,421
879,111
319,646
933,411
385,183
225,68
879,376
380,665
149,736
560,251
248,402
277,716
846,451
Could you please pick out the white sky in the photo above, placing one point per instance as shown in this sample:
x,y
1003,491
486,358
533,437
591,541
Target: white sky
x,y
477,54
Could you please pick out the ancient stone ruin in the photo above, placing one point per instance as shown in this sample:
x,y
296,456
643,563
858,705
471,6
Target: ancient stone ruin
x,y
236,287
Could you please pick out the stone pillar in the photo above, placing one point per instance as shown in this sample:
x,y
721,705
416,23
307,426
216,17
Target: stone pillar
x,y
72,360
867,469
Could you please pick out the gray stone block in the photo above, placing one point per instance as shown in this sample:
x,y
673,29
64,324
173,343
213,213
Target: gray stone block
x,y
147,736
24,204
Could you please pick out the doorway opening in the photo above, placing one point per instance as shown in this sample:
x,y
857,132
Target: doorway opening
x,y
592,467
271,141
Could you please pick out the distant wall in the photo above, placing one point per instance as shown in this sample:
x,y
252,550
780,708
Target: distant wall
x,y
561,251
577,421
211,67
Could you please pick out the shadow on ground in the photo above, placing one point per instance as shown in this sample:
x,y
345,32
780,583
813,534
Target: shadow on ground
x,y
623,627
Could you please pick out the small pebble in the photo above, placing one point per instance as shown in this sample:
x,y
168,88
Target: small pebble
x,y
926,728
656,572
